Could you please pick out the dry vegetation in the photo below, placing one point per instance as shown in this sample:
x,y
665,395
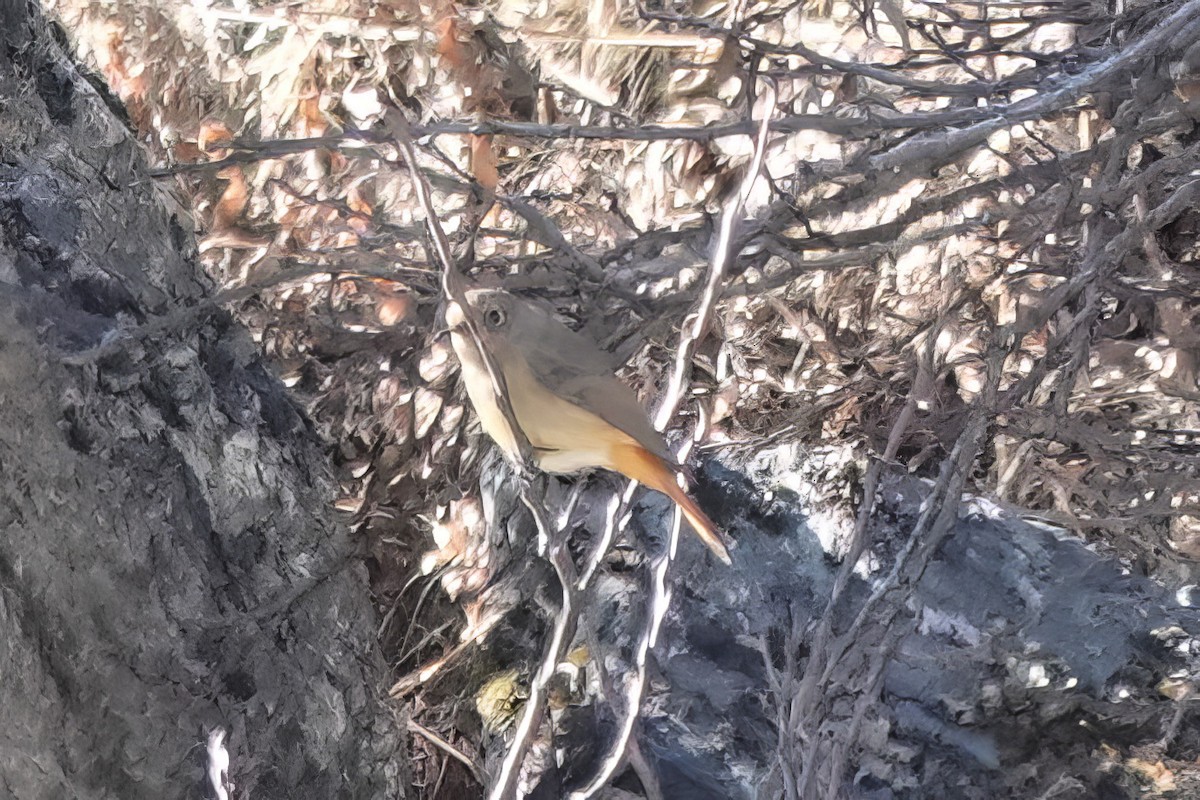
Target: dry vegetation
x,y
976,247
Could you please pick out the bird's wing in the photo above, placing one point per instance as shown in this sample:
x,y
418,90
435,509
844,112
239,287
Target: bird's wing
x,y
576,369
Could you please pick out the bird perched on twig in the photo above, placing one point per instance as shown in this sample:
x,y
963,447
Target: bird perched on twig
x,y
570,407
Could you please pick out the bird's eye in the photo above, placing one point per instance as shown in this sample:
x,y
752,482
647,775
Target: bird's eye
x,y
495,318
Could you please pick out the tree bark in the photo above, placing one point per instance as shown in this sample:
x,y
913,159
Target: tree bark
x,y
169,559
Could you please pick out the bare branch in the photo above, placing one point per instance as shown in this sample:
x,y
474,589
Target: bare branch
x,y
660,593
445,746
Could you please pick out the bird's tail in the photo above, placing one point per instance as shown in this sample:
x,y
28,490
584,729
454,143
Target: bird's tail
x,y
635,461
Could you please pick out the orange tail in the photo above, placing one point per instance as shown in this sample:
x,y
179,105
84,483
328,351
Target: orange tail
x,y
636,462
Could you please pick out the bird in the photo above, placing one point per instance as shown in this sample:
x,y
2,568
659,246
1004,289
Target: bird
x,y
564,396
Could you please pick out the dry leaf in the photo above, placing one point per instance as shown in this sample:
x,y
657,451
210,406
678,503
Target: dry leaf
x,y
233,239
393,309
500,700
483,162
1156,772
233,200
129,83
310,118
357,201
213,136
435,364
455,52
427,403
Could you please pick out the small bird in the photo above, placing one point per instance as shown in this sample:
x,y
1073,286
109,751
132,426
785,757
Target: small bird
x,y
565,397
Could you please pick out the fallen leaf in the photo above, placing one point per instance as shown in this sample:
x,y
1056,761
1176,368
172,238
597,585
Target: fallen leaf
x,y
213,137
483,162
393,309
233,200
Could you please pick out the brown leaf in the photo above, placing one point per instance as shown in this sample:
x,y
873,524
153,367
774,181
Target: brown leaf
x,y
455,52
214,135
184,151
394,309
129,83
483,162
846,413
233,200
310,119
358,202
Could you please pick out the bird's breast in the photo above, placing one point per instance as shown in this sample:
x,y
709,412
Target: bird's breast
x,y
480,389
565,437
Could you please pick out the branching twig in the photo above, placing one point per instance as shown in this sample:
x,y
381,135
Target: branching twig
x,y
941,147
564,626
453,285
690,336
445,746
934,524
556,650
722,256
350,140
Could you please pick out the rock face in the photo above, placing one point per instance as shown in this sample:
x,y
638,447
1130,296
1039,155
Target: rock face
x,y
1018,660
168,559
1014,662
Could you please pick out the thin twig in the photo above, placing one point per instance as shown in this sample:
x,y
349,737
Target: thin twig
x,y
452,751
690,335
613,523
565,623
430,670
934,524
556,649
722,257
312,22
608,692
181,318
248,151
943,146
660,602
453,284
